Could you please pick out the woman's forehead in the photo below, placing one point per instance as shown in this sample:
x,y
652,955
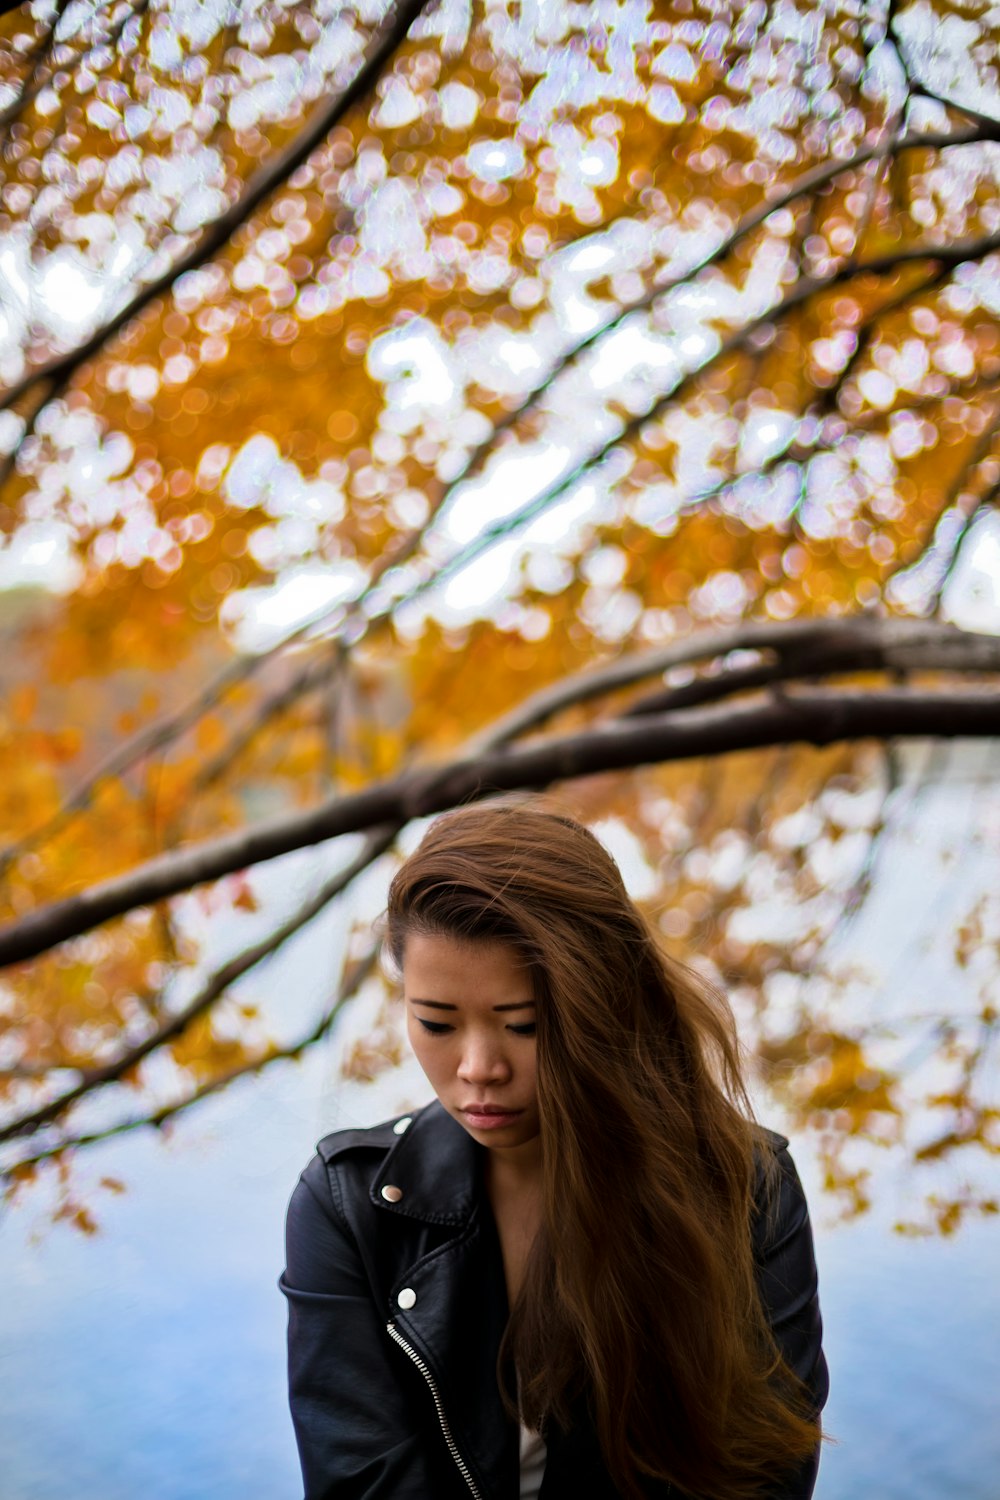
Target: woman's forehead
x,y
454,971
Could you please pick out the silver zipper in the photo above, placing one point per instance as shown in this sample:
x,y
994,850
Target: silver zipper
x,y
445,1429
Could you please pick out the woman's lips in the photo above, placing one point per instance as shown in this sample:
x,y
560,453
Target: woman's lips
x,y
488,1116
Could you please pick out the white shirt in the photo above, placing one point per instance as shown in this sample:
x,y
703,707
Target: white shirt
x,y
532,1463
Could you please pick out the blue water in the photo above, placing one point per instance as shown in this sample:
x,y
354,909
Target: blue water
x,y
149,1362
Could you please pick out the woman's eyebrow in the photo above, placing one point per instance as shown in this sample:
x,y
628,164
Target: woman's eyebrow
x,y
440,1005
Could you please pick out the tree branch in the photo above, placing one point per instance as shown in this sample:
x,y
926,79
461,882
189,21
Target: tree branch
x,y
808,183
314,674
91,1079
869,328
967,515
165,730
30,87
866,644
33,85
914,85
160,1117
260,186
8,461
986,504
987,121
799,452
60,371
950,255
903,644
802,649
810,716
540,707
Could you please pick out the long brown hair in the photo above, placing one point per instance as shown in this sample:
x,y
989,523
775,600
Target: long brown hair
x,y
639,1299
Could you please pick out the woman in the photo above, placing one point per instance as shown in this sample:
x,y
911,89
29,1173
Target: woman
x,y
583,1266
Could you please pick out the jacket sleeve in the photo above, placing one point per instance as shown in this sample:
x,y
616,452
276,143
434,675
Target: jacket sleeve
x,y
786,1276
355,1434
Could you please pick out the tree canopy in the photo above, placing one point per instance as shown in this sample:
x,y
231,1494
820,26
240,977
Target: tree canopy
x,y
400,404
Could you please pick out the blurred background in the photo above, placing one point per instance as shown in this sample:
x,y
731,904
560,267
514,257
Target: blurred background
x,y
400,404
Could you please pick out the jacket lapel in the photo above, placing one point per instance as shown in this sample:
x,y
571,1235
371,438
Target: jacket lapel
x,y
451,1304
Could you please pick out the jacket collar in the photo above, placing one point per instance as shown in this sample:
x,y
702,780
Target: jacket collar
x,y
435,1168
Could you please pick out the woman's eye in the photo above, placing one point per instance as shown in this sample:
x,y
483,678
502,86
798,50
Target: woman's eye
x,y
436,1028
527,1029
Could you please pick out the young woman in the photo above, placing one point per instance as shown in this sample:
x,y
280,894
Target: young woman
x,y
583,1271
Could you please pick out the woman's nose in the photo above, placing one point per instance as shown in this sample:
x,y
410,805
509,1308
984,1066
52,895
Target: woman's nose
x,y
482,1062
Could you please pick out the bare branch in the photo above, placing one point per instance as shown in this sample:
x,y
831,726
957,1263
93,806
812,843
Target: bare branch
x,y
164,731
314,674
864,880
354,976
260,186
867,644
914,85
34,84
950,255
154,737
902,644
8,461
987,121
975,513
31,86
803,648
808,183
798,450
809,716
870,326
60,371
538,708
893,40
91,1079
961,491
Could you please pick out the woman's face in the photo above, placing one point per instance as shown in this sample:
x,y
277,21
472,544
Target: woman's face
x,y
470,1015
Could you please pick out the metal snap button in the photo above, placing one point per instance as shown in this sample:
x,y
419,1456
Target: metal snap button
x,y
401,1125
406,1298
392,1194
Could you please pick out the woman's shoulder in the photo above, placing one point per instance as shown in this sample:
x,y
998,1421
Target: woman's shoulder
x,y
362,1138
356,1149
417,1168
771,1160
352,1158
769,1143
780,1209
340,1173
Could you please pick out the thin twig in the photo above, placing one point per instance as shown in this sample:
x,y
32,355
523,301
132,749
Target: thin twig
x,y
985,506
38,57
260,186
869,328
352,979
8,461
91,1079
914,85
960,487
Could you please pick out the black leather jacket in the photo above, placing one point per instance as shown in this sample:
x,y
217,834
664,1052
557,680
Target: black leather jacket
x,y
397,1305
